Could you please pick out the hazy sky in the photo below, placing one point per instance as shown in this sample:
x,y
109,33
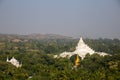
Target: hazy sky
x,y
75,18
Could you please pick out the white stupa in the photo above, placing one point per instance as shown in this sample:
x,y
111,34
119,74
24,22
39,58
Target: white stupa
x,y
14,62
82,49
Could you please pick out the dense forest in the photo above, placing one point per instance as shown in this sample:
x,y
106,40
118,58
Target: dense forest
x,y
38,62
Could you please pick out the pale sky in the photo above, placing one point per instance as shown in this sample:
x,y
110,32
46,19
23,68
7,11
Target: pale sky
x,y
74,18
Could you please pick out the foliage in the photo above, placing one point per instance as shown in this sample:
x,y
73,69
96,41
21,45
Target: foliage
x,y
38,62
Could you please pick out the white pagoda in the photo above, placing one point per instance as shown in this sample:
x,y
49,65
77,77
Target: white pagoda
x,y
14,62
82,49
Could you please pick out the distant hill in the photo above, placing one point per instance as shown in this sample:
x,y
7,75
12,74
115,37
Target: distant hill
x,y
48,36
32,36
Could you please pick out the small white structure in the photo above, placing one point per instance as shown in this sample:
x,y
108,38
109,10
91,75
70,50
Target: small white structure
x,y
55,56
14,62
82,49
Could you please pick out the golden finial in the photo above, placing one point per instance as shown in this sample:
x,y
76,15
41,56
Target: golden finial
x,y
77,61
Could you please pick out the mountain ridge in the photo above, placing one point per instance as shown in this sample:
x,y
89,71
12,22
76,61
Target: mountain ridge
x,y
34,36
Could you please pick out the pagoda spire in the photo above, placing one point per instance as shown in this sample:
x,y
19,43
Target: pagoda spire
x,y
7,59
81,40
80,43
77,61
